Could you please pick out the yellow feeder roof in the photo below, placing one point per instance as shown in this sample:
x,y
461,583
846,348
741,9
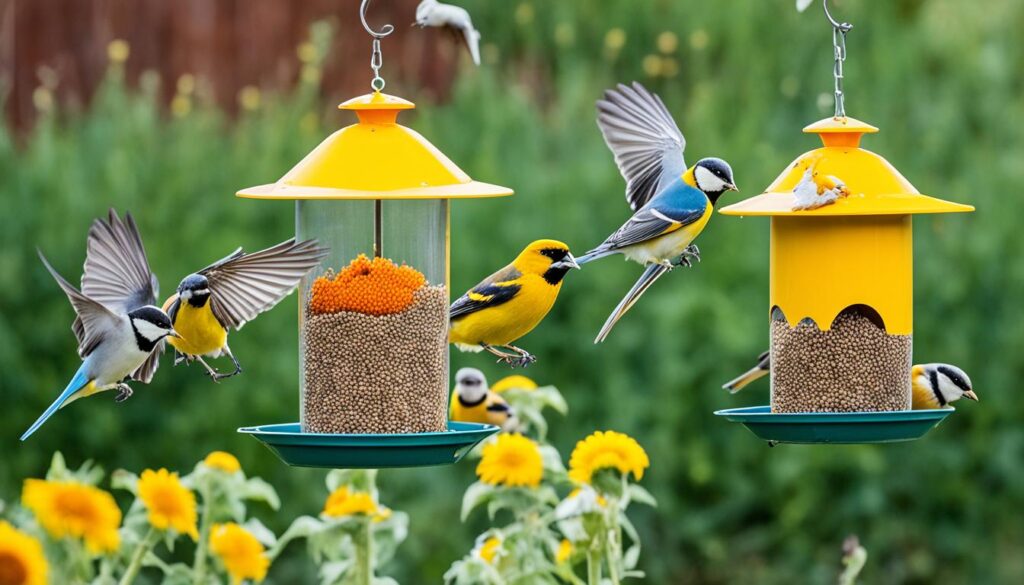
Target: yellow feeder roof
x,y
376,158
876,187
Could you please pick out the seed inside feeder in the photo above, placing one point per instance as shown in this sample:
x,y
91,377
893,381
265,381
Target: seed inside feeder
x,y
855,366
376,354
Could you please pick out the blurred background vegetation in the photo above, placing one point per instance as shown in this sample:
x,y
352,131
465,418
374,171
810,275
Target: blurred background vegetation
x,y
941,78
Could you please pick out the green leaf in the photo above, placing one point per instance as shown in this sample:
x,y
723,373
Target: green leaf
x,y
58,468
301,527
631,557
257,490
641,496
125,480
261,532
333,572
552,459
476,495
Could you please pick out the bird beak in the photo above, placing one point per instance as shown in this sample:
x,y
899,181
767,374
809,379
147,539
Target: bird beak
x,y
970,394
567,262
174,333
731,187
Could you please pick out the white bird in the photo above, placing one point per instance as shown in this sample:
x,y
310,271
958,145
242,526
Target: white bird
x,y
116,324
815,190
438,15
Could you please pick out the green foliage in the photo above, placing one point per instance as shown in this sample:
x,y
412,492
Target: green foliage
x,y
941,79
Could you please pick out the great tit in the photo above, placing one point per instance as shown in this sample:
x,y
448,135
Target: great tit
x,y
672,204
511,302
473,401
117,327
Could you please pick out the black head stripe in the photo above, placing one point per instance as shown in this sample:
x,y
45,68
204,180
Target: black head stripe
x,y
555,254
933,380
955,377
497,407
468,404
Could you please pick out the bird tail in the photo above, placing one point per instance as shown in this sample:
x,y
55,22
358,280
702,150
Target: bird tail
x,y
651,273
80,380
741,382
593,255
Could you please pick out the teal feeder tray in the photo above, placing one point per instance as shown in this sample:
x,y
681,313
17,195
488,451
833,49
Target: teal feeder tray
x,y
836,427
370,451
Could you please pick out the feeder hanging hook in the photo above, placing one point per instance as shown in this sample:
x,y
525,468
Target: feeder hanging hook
x,y
376,58
839,30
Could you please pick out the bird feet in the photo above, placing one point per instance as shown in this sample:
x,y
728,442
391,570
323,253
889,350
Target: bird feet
x,y
690,253
180,358
520,359
124,392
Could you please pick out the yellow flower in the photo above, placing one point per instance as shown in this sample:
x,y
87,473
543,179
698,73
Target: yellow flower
x,y
512,460
667,42
170,504
343,502
68,508
607,449
118,50
489,549
21,558
652,65
223,461
614,40
515,381
564,551
243,556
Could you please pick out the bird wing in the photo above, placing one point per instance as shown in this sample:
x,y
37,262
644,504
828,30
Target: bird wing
x,y
496,289
245,285
650,222
458,21
117,272
647,144
92,319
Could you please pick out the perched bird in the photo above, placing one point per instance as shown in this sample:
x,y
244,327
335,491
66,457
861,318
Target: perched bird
x,y
672,204
759,371
816,190
933,385
231,292
116,324
936,385
473,401
511,302
452,18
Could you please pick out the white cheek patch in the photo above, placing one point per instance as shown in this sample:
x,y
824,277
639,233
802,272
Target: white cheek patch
x,y
708,181
148,330
185,295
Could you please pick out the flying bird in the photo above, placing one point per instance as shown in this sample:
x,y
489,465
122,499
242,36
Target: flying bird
x,y
473,401
933,385
231,292
117,326
511,302
452,18
672,204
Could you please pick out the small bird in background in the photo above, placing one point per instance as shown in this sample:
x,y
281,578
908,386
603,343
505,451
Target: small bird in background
x,y
933,385
817,190
116,324
231,292
672,204
511,302
936,385
473,401
759,371
452,18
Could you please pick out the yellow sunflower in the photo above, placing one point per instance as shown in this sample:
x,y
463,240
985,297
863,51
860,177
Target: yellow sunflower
x,y
564,552
170,504
512,460
514,381
488,551
68,508
243,556
607,449
21,558
223,461
344,502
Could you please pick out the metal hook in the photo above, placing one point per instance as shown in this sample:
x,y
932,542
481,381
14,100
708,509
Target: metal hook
x,y
841,27
387,28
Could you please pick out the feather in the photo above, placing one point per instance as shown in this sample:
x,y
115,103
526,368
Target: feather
x,y
652,273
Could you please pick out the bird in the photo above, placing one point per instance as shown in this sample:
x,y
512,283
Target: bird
x,y
453,18
231,292
118,328
473,401
932,385
511,302
936,385
672,203
816,190
760,370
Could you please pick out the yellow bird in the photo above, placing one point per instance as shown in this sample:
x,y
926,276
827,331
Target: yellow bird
x,y
473,401
511,302
231,292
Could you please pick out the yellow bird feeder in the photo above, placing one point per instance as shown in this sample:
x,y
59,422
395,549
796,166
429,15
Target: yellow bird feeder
x,y
373,318
841,289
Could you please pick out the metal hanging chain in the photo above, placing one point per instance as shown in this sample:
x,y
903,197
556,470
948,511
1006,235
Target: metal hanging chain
x,y
839,30
376,57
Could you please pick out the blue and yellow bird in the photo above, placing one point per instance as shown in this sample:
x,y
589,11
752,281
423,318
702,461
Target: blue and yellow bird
x,y
672,204
511,302
231,292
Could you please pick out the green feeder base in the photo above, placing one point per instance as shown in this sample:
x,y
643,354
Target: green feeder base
x,y
343,451
836,427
